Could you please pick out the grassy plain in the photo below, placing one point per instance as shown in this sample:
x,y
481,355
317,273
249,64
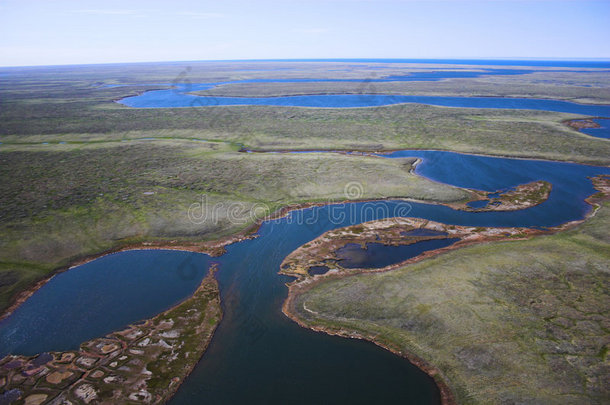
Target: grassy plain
x,y
71,105
76,176
81,174
592,88
504,322
74,200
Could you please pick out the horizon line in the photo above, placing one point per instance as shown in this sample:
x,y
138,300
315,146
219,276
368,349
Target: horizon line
x,y
353,60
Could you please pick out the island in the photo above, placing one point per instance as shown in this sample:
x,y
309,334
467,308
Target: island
x,y
332,249
516,198
536,304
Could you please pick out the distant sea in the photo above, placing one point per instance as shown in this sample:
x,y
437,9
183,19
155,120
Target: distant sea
x,y
592,63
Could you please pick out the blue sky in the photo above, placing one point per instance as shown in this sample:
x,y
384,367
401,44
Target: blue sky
x,y
79,31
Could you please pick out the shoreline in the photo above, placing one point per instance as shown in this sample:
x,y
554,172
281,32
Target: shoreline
x,y
216,248
303,284
197,93
370,153
446,394
212,248
147,342
583,123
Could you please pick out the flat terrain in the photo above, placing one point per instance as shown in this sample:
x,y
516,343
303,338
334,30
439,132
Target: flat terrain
x,y
70,201
591,88
81,174
504,322
68,104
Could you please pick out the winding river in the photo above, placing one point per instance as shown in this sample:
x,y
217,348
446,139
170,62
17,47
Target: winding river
x,y
258,355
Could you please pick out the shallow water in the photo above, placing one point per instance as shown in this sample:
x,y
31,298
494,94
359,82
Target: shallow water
x,y
478,204
378,255
602,132
424,232
315,270
257,354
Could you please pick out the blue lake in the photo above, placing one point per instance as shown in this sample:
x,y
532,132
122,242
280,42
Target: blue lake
x,y
178,98
378,255
257,354
101,296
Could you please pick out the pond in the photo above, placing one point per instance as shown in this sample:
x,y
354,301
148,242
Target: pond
x,y
378,255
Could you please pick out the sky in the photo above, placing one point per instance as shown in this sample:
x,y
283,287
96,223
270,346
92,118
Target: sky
x,y
44,32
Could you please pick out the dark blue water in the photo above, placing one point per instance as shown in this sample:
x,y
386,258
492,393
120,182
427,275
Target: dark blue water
x,y
377,255
565,203
100,297
424,232
603,132
257,354
478,204
314,270
173,98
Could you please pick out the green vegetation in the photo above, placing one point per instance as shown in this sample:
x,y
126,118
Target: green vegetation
x,y
590,88
504,322
77,200
81,174
69,105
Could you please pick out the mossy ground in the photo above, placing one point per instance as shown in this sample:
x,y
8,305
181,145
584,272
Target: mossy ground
x,y
510,322
570,86
70,105
60,201
77,200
